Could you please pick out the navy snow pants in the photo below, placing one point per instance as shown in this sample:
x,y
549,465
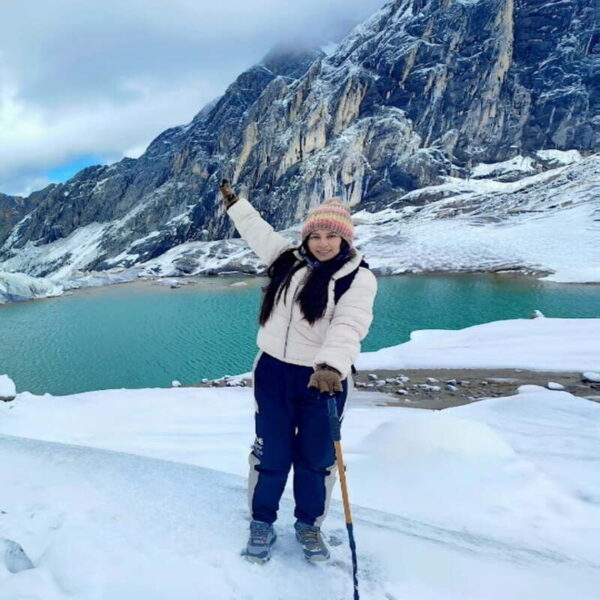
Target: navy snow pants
x,y
292,428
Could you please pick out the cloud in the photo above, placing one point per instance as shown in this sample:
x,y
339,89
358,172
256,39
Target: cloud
x,y
34,140
109,77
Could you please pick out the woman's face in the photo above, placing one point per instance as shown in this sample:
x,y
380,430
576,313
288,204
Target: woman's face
x,y
324,244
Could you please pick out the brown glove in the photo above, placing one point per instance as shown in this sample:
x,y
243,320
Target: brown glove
x,y
326,379
227,194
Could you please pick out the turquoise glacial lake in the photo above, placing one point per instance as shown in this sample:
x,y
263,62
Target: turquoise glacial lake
x,y
146,335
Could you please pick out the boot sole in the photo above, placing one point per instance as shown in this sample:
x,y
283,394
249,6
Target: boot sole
x,y
256,559
316,559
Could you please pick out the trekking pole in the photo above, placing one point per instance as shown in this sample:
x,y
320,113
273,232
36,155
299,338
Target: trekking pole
x,y
336,436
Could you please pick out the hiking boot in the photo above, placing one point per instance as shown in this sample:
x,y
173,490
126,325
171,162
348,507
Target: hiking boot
x,y
309,536
262,537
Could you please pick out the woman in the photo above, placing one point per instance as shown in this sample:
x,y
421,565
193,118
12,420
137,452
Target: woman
x,y
317,308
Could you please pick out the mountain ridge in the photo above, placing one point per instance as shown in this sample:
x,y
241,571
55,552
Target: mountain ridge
x,y
421,91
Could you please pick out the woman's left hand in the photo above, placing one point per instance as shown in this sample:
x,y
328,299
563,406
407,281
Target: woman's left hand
x,y
326,379
228,196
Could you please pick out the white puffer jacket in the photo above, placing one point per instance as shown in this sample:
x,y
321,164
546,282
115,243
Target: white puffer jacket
x,y
288,336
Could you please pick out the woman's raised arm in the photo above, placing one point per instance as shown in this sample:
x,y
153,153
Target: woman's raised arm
x,y
266,243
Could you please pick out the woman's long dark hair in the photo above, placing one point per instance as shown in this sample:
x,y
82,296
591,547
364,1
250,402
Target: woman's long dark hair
x,y
313,295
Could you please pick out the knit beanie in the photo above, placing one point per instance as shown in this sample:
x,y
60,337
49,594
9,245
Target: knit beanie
x,y
332,215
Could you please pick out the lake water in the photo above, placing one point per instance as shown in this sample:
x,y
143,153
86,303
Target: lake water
x,y
145,335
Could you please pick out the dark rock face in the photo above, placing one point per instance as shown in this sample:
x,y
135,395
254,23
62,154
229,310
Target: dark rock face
x,y
422,90
12,210
561,73
508,76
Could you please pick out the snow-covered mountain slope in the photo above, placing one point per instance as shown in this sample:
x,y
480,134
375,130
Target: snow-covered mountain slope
x,y
544,223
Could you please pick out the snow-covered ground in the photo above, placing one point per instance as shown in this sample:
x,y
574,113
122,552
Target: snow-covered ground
x,y
539,344
141,494
128,494
16,287
506,216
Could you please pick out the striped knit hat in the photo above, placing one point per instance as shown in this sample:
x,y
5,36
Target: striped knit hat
x,y
332,215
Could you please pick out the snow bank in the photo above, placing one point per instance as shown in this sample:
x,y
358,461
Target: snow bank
x,y
7,387
557,431
16,287
539,344
520,164
424,434
525,165
100,278
462,470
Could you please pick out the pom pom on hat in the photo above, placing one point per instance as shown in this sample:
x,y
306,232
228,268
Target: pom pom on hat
x,y
332,215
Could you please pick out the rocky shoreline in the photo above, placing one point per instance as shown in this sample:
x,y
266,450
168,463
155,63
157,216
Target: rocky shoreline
x,y
437,389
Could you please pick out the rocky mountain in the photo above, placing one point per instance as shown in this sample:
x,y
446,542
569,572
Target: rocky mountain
x,y
422,91
12,210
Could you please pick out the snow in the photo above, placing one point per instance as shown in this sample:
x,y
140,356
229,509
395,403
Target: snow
x,y
128,494
141,494
532,423
543,223
74,252
460,186
15,287
99,278
142,240
183,217
565,157
520,164
540,344
464,245
7,387
12,558
581,274
330,48
123,257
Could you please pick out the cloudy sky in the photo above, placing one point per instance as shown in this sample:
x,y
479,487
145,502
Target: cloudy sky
x,y
90,82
